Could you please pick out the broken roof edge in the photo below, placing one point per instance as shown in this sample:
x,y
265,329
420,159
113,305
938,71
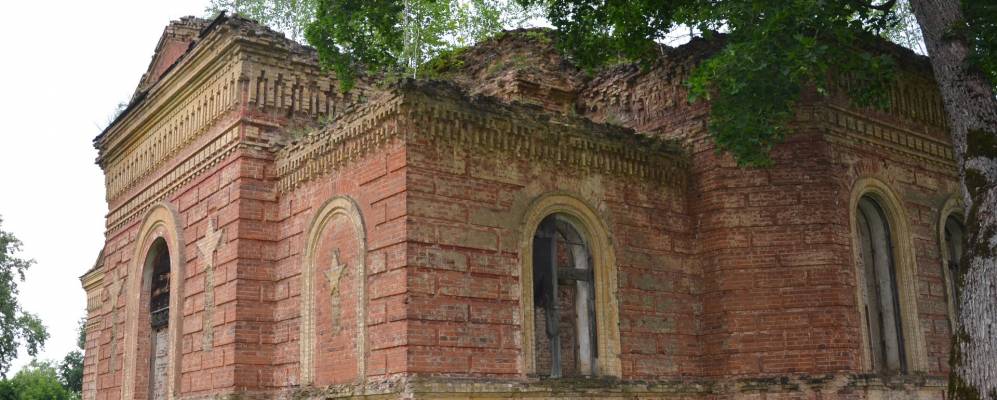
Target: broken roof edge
x,y
700,48
140,94
434,90
190,23
249,28
93,273
442,112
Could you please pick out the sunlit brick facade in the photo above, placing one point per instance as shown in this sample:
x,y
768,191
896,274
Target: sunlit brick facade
x,y
516,229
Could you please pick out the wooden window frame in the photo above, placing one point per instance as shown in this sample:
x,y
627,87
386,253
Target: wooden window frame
x,y
905,264
591,226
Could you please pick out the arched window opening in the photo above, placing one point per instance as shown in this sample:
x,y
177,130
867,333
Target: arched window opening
x,y
159,299
955,233
564,298
157,276
882,304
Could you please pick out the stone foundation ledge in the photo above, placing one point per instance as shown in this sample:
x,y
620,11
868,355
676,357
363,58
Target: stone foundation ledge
x,y
826,386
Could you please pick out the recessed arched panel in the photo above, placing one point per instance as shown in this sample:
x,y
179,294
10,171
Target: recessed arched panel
x,y
155,298
333,296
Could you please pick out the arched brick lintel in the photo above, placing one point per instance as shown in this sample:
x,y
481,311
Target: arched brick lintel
x,y
161,221
953,207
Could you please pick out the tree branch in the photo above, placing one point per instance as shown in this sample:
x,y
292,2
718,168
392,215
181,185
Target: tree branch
x,y
887,6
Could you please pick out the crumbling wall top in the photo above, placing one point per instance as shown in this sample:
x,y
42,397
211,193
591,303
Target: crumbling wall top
x,y
442,112
521,65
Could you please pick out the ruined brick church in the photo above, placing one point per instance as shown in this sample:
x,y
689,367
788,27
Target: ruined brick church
x,y
517,228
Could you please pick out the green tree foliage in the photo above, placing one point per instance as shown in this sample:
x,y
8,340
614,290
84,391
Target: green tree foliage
x,y
7,390
70,371
773,50
16,326
37,381
388,37
71,367
981,33
906,32
81,338
288,16
384,36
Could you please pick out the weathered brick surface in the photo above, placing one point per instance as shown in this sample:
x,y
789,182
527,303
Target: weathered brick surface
x,y
774,270
775,244
385,275
464,274
730,282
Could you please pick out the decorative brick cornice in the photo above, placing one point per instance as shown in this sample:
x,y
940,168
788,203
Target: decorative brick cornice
x,y
222,39
233,67
93,285
185,172
359,132
174,131
93,282
441,114
296,88
850,127
239,74
531,133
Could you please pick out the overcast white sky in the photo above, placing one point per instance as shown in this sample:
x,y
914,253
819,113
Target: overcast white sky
x,y
65,66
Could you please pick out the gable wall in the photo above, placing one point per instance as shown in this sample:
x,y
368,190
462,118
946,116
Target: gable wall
x,y
196,144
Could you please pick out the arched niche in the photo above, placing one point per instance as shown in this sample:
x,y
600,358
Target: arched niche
x,y
324,265
901,248
575,217
159,245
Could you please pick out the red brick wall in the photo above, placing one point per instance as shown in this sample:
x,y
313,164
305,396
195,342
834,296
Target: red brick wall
x,y
336,325
465,212
736,273
775,244
923,190
377,183
779,295
211,192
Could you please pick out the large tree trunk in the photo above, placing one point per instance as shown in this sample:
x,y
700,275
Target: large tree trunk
x,y
972,116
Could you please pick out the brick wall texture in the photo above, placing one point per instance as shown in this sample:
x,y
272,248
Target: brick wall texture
x,y
727,282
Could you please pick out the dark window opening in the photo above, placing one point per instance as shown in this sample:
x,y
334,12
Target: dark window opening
x,y
157,277
882,302
564,297
159,303
955,233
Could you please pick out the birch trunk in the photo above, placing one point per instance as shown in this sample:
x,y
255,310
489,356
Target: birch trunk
x,y
972,116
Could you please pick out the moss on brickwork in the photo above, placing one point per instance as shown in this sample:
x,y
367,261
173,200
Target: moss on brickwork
x,y
979,144
444,63
958,389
